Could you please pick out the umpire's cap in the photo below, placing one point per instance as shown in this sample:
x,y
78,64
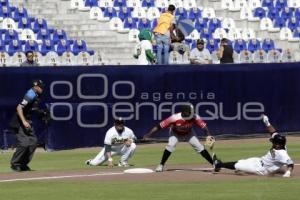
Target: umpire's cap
x,y
119,121
38,83
279,139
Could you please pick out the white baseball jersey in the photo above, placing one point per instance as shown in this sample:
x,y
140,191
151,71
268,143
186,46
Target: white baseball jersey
x,y
140,50
268,164
113,138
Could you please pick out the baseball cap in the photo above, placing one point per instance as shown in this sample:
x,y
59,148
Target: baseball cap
x,y
200,41
38,83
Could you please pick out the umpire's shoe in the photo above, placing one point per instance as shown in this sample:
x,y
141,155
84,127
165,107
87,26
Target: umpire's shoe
x,y
216,163
16,168
160,168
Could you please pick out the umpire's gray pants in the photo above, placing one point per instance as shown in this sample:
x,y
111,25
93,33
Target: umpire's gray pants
x,y
26,145
191,138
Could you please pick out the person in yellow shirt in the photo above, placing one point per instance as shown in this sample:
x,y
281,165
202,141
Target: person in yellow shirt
x,y
162,35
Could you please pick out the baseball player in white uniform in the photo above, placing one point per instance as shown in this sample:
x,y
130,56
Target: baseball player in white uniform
x,y
119,140
271,163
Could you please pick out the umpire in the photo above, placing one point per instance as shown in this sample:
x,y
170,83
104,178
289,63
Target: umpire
x,y
22,126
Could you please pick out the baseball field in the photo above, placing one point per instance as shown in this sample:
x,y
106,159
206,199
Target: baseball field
x,y
63,175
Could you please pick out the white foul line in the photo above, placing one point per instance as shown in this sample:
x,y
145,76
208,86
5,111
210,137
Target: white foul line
x,y
60,177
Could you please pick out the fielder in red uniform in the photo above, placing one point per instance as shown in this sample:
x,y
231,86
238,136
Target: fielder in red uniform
x,y
180,125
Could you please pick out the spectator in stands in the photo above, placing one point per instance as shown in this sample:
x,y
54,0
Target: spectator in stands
x,y
225,53
29,62
162,34
200,55
177,41
143,50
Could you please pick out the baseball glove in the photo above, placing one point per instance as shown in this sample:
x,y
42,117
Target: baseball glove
x,y
210,141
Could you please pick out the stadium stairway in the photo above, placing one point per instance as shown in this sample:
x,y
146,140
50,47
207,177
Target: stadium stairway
x,y
114,47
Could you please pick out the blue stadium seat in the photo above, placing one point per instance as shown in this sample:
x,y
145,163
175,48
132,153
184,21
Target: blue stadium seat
x,y
43,34
124,13
91,3
47,46
268,44
194,14
206,34
148,3
130,23
239,45
212,45
63,46
273,13
10,35
213,24
268,3
153,24
24,23
286,13
39,24
20,13
2,46
4,3
144,23
110,12
297,13
296,33
119,3
31,45
79,46
58,35
281,4
6,12
260,12
201,23
254,45
279,22
293,23
181,13
14,46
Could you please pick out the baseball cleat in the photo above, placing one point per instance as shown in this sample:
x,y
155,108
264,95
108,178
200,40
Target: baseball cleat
x,y
159,168
216,163
123,164
88,162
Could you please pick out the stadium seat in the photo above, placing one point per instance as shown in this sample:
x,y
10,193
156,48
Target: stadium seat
x,y
4,3
79,46
96,13
293,3
227,4
273,13
139,13
74,4
287,56
103,4
181,13
245,56
268,3
213,24
68,59
24,23
39,24
279,22
47,46
14,46
58,35
91,3
20,13
176,3
175,58
238,4
268,44
286,13
266,24
254,4
228,23
51,59
115,24
84,59
254,45
4,59
17,59
10,35
81,5
234,34
153,13
247,34
133,35
161,4
297,13
5,12
38,58
293,23
148,3
273,56
246,14
43,34
281,4
124,13
285,34
208,13
206,34
130,23
189,4
109,13
219,33
27,34
239,45
260,12
63,46
212,45
9,23
201,23
194,35
2,46
132,4
194,13
296,33
186,58
260,56
144,23
214,56
31,45
120,3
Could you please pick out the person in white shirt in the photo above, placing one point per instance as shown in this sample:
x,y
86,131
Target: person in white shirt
x,y
200,55
119,140
143,51
272,163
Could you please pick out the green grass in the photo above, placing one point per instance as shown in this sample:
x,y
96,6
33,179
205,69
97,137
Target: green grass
x,y
257,188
